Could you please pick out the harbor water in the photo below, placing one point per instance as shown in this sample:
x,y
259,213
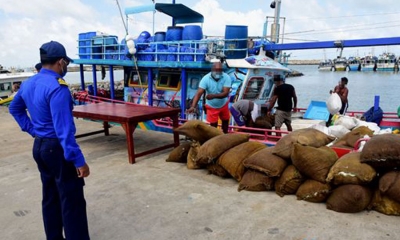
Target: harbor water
x,y
314,85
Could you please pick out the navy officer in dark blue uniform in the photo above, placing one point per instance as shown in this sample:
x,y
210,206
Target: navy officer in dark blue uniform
x,y
47,99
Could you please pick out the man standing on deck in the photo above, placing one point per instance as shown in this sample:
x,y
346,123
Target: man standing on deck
x,y
342,90
216,85
60,161
286,96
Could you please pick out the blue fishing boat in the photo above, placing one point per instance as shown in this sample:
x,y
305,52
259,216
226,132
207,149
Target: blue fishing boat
x,y
164,69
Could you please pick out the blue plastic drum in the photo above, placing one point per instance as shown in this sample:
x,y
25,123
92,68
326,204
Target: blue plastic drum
x,y
236,32
174,34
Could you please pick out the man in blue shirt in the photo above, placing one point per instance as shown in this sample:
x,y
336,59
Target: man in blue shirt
x,y
62,166
216,85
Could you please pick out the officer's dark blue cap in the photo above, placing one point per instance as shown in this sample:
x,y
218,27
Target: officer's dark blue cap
x,y
53,51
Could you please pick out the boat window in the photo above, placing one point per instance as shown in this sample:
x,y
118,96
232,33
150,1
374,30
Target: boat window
x,y
5,86
135,81
267,89
253,88
194,83
169,81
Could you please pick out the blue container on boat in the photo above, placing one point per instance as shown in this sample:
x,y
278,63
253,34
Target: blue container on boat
x,y
144,37
174,33
172,57
158,37
150,55
82,45
202,56
192,32
235,32
162,57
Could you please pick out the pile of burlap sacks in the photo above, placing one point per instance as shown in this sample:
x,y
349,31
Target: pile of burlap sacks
x,y
300,163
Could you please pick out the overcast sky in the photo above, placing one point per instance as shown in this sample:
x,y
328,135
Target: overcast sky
x,y
26,25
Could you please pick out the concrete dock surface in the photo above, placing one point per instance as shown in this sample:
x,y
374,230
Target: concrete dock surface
x,y
154,199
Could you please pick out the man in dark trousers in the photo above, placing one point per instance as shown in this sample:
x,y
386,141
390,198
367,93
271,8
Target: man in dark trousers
x,y
285,94
60,161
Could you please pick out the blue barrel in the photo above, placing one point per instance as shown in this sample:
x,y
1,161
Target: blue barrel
x,y
143,38
236,32
159,37
192,32
174,34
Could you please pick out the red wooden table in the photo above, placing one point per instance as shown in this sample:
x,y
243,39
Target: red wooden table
x,y
128,115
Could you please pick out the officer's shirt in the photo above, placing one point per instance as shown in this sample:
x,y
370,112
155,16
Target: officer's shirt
x,y
48,100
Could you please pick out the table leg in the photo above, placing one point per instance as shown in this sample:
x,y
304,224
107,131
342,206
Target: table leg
x,y
175,124
106,127
129,129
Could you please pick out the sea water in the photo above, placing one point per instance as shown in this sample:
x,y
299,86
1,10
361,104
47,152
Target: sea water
x,y
314,85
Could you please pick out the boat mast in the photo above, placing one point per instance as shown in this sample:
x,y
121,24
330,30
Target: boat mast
x,y
275,27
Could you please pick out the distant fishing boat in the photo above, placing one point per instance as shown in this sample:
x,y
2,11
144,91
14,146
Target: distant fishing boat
x,y
325,65
353,64
339,64
386,62
368,63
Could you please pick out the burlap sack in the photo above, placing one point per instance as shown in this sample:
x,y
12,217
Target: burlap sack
x,y
389,185
180,153
232,159
216,169
384,204
289,181
192,155
264,122
352,137
256,181
198,131
382,151
313,191
349,170
307,136
267,162
312,162
349,198
216,146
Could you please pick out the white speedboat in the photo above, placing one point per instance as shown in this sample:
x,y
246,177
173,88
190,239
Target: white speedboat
x,y
8,79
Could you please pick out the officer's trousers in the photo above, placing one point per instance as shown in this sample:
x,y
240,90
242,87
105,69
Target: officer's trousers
x,y
63,203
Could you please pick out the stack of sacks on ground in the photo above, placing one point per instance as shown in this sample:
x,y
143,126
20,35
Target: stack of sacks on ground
x,y
303,165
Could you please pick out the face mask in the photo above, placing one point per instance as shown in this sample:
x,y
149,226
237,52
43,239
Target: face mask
x,y
216,75
64,68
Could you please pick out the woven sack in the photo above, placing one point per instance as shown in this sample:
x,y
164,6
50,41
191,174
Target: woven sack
x,y
232,159
289,181
349,170
179,154
313,191
256,181
382,151
267,162
216,146
314,163
198,130
349,198
307,136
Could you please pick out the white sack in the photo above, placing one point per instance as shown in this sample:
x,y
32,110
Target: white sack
x,y
347,122
338,131
334,103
